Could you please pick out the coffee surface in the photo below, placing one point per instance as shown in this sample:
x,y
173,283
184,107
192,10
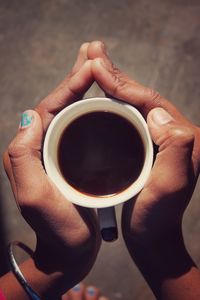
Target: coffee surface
x,y
100,153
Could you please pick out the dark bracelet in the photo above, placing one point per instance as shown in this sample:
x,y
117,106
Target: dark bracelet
x,y
16,270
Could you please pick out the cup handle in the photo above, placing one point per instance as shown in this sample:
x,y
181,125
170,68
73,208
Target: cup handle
x,y
108,223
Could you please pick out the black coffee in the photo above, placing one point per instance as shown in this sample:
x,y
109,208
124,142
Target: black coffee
x,y
100,153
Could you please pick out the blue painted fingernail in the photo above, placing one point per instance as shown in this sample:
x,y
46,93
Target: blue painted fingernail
x,y
26,120
76,288
91,291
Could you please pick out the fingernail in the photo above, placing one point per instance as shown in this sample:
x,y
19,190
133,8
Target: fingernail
x,y
91,291
26,120
161,117
76,288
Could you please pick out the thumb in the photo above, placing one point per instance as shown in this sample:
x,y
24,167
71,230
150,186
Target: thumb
x,y
173,168
24,154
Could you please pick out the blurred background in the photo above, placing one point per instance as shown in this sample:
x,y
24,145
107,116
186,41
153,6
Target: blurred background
x,y
156,42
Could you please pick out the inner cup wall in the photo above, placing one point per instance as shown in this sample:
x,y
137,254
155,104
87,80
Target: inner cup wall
x,y
100,153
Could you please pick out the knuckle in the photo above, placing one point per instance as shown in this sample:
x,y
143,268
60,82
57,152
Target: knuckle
x,y
181,135
153,96
120,83
16,150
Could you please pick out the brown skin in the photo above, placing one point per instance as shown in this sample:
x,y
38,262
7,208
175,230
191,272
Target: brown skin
x,y
151,222
68,237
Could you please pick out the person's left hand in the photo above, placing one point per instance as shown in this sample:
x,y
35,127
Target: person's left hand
x,y
68,237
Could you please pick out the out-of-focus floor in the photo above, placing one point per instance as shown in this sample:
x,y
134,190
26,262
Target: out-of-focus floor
x,y
156,42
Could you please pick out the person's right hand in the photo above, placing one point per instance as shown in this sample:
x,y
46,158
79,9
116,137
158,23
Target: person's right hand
x,y
151,222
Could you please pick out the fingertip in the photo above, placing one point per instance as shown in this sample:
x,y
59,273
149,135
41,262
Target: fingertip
x,y
159,117
84,47
30,113
83,54
27,119
97,44
82,57
97,49
30,132
91,292
80,286
77,291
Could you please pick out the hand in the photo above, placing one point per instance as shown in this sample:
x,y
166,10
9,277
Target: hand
x,y
151,222
177,162
68,237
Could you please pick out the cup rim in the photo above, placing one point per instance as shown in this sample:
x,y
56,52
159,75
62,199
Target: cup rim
x,y
76,110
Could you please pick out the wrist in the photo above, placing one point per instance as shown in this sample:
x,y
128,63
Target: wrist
x,y
54,268
160,257
67,263
158,248
46,285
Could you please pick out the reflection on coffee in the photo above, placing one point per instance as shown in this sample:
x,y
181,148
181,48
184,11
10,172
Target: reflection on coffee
x,y
100,153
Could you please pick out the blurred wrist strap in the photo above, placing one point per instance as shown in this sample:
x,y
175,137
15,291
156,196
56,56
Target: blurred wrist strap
x,y
16,270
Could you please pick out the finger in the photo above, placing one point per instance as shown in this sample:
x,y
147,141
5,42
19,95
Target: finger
x,y
174,169
172,178
91,293
34,189
25,157
76,293
69,90
120,86
82,58
117,84
97,49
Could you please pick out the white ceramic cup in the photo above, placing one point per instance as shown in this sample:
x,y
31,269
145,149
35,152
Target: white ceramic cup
x,y
50,154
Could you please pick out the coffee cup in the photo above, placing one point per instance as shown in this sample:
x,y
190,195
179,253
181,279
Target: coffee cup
x,y
99,153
